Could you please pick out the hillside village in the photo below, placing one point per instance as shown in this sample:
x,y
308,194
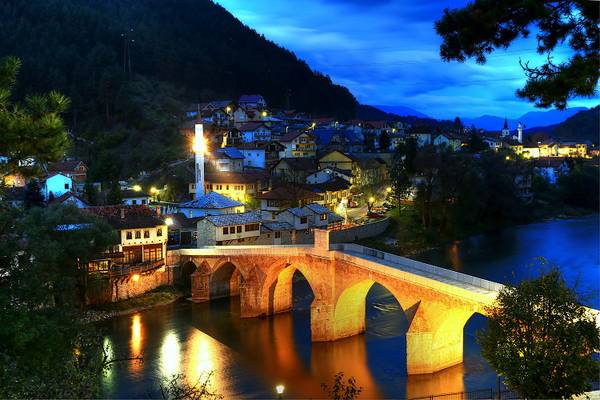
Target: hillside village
x,y
268,177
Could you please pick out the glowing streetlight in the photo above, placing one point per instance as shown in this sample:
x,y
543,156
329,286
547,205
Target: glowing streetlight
x,y
137,188
371,199
280,389
135,277
228,109
153,190
264,114
388,189
169,221
508,157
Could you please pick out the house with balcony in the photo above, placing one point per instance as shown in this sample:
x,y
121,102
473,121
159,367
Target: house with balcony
x,y
141,246
298,144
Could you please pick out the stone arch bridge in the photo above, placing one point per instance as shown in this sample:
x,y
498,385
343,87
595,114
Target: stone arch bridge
x,y
437,302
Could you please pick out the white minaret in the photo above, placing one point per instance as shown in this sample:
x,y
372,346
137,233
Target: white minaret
x,y
520,133
199,149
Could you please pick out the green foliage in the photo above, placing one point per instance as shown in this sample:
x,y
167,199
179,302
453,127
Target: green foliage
x,y
342,390
114,195
384,141
125,122
402,170
91,193
459,193
45,348
584,125
32,129
485,25
580,187
33,195
476,143
541,340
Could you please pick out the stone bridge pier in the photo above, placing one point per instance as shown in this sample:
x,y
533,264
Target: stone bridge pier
x,y
340,280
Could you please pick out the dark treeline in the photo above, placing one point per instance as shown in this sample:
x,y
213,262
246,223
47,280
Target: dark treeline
x,y
457,194
129,66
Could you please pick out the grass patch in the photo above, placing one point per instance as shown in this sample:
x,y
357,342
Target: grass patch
x,y
158,296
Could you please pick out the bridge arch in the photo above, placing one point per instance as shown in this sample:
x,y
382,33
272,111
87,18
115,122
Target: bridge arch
x,y
276,293
349,313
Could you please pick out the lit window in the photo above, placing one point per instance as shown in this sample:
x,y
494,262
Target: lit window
x,y
159,232
225,231
239,229
146,234
138,234
128,235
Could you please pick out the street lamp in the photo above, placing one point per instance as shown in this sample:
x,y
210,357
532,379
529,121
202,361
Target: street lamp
x,y
370,203
279,389
388,189
153,190
169,221
137,188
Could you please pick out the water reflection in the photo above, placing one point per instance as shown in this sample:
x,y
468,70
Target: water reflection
x,y
170,355
135,366
250,357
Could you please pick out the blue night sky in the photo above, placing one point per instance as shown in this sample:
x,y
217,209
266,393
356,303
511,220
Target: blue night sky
x,y
386,53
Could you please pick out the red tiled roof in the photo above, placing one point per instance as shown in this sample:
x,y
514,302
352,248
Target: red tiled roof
x,y
288,192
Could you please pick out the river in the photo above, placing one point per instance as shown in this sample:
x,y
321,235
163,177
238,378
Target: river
x,y
249,357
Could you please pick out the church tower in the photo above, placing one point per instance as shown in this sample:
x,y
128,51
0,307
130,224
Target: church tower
x,y
505,130
520,132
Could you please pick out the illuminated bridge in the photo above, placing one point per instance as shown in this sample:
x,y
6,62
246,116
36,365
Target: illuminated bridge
x,y
437,302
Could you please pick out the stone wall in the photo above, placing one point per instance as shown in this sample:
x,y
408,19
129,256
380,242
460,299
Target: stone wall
x,y
126,288
359,232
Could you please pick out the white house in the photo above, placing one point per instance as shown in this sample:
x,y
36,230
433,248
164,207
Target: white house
x,y
228,159
254,155
56,185
448,140
243,228
134,198
320,216
296,217
327,174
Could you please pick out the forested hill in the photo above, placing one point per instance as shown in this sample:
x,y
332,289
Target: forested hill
x,y
179,50
583,126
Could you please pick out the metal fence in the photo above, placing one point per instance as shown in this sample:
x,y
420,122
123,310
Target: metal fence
x,y
482,394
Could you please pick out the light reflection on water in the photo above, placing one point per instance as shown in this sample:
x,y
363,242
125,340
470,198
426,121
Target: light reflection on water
x,y
250,356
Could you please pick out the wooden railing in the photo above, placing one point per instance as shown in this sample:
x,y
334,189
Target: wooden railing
x,y
119,270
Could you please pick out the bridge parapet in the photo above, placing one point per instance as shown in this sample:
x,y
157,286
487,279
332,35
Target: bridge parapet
x,y
421,268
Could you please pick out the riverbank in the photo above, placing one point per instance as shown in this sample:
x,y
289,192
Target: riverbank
x,y
406,237
158,297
